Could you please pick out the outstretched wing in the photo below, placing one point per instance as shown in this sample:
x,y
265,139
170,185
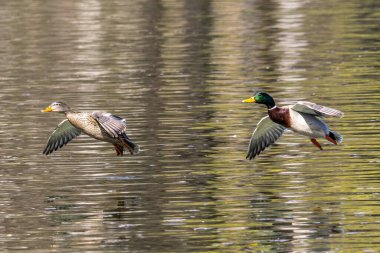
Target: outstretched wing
x,y
62,134
112,124
317,110
265,134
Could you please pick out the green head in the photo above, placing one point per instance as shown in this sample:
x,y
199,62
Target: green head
x,y
261,98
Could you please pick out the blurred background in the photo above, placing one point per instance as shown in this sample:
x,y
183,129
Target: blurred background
x,y
177,71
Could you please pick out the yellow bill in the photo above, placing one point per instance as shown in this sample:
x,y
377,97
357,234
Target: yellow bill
x,y
47,109
249,100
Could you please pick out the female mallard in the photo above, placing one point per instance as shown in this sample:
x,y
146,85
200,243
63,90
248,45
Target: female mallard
x,y
303,118
99,125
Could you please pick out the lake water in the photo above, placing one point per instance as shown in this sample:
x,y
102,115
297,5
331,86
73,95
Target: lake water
x,y
177,71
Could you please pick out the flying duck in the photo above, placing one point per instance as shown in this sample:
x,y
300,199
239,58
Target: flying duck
x,y
99,125
304,118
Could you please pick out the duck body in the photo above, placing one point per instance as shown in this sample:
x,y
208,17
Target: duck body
x,y
99,125
305,118
89,126
308,125
302,123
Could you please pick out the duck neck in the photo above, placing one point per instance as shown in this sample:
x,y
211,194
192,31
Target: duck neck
x,y
269,102
69,112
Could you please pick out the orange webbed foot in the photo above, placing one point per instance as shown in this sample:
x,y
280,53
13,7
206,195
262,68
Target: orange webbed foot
x,y
316,143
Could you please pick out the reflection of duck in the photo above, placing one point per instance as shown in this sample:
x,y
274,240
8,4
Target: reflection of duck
x,y
99,125
303,118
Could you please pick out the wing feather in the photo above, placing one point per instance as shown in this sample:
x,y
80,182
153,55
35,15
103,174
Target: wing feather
x,y
317,110
265,134
112,124
62,134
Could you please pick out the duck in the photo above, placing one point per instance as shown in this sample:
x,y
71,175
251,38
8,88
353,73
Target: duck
x,y
100,125
304,117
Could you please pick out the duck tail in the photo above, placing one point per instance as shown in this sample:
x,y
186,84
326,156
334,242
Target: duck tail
x,y
335,136
130,145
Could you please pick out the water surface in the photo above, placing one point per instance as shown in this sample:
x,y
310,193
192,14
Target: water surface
x,y
177,71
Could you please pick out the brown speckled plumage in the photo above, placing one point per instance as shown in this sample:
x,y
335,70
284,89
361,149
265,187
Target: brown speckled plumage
x,y
88,125
99,125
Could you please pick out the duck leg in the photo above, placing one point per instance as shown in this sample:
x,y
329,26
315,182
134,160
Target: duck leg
x,y
119,149
316,143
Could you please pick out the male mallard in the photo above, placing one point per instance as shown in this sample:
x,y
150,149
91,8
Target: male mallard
x,y
99,125
303,118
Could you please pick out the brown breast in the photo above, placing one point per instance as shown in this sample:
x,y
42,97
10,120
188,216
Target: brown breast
x,y
280,115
